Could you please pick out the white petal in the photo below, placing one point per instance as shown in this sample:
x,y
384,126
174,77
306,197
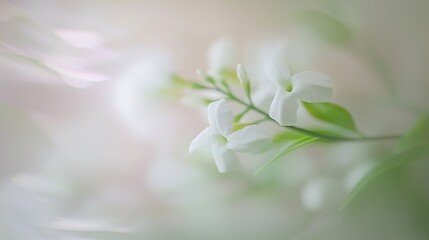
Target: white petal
x,y
204,138
220,117
77,78
284,107
225,159
277,72
250,139
262,95
312,87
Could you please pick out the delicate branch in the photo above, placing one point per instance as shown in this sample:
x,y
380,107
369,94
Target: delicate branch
x,y
250,106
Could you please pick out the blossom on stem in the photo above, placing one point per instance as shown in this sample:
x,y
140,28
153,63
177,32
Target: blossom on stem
x,y
244,79
224,142
305,86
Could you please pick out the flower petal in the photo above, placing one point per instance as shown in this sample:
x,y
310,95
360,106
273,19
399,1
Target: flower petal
x,y
277,72
220,117
225,159
284,107
312,87
250,139
204,138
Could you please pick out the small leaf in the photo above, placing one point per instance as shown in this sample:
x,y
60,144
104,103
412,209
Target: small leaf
x,y
289,148
417,135
331,113
325,26
412,154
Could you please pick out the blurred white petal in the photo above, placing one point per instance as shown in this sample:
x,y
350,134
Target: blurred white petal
x,y
79,38
82,75
313,93
38,184
225,159
312,87
204,138
278,73
322,192
59,52
85,225
136,100
250,139
262,95
284,108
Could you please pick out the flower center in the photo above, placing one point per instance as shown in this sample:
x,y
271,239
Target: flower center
x,y
222,139
288,87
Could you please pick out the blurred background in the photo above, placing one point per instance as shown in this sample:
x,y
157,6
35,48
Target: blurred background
x,y
94,139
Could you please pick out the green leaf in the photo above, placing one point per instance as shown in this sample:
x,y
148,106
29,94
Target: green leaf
x,y
289,148
325,26
333,114
417,135
415,153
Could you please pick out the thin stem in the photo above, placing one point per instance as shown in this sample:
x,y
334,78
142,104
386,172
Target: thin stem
x,y
376,138
266,116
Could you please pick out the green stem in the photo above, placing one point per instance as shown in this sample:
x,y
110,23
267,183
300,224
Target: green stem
x,y
266,116
238,117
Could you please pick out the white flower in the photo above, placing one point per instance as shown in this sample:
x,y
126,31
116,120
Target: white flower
x,y
224,142
306,86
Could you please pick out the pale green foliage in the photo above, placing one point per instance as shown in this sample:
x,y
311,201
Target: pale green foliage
x,y
418,135
413,146
332,114
417,152
294,145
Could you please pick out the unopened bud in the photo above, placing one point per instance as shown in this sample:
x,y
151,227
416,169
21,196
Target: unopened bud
x,y
242,74
244,79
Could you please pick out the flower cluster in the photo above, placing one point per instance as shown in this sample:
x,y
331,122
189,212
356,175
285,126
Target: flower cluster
x,y
271,80
224,141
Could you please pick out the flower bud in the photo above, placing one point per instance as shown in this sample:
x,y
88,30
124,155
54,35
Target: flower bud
x,y
242,74
244,79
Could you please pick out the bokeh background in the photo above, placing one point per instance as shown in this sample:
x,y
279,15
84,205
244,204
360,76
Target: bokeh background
x,y
94,139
